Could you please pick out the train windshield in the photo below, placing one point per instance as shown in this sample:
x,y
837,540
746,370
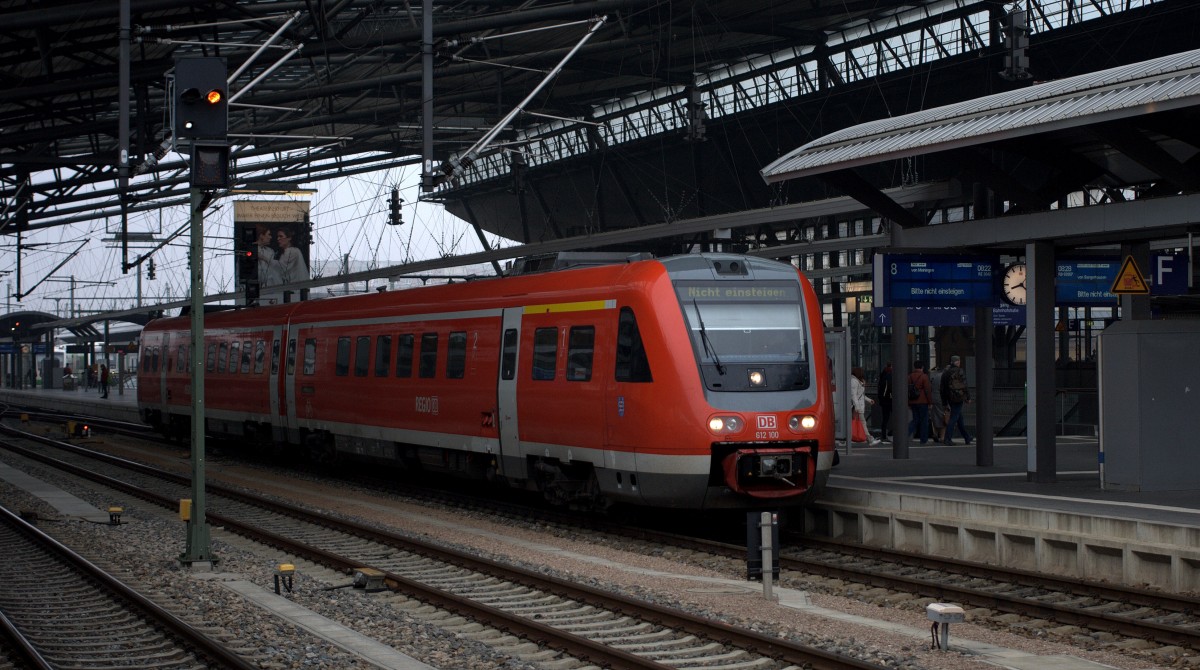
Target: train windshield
x,y
738,329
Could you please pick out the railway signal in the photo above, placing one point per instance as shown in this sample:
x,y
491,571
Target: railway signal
x,y
246,252
395,218
201,99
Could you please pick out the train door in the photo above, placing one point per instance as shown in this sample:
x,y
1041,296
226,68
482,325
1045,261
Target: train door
x,y
289,385
278,420
161,376
506,394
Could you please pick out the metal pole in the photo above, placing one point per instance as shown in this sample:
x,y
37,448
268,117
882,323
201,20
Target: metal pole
x,y
901,368
985,377
427,95
765,525
123,129
197,539
470,154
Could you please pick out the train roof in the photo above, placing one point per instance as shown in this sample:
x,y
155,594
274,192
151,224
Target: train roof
x,y
500,291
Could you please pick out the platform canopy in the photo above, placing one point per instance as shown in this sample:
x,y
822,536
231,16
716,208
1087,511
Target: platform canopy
x,y
1093,105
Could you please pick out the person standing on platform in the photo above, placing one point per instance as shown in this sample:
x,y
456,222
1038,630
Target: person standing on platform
x,y
884,393
920,395
955,393
103,381
859,400
938,411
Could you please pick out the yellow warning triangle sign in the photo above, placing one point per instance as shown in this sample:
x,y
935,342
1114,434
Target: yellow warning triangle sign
x,y
1130,280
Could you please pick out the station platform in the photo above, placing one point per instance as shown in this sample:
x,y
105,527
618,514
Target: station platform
x,y
121,406
938,502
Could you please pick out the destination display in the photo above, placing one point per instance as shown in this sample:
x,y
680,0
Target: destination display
x,y
923,280
1085,281
735,292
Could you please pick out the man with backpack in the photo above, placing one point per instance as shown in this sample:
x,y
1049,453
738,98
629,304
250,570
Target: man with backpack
x,y
920,394
955,393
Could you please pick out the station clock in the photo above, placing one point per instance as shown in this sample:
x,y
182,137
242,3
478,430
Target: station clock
x,y
1015,290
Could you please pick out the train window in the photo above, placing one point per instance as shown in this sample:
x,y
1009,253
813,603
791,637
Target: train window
x,y
235,351
632,364
383,355
310,356
429,343
545,353
222,356
181,358
404,355
343,357
260,355
246,356
211,362
508,355
275,357
362,356
456,355
291,356
580,347
146,364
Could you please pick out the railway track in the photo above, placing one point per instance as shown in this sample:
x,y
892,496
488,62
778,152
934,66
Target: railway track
x,y
597,626
60,610
1166,619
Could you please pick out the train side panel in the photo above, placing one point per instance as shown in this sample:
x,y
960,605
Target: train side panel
x,y
592,386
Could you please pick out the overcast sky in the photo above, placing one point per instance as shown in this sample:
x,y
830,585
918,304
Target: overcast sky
x,y
349,216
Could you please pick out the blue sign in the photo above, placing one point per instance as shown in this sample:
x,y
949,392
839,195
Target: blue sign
x,y
1168,274
1002,315
1085,282
13,347
1005,314
922,280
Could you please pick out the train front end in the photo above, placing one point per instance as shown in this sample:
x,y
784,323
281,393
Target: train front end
x,y
756,335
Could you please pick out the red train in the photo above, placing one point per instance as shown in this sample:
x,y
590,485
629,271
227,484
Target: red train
x,y
696,381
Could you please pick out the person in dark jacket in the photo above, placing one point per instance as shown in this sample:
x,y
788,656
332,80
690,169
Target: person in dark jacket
x,y
919,425
954,394
103,381
884,394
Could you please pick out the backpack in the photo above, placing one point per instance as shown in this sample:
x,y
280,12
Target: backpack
x,y
958,386
913,392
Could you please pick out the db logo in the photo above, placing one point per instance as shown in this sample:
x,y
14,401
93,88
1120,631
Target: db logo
x,y
766,422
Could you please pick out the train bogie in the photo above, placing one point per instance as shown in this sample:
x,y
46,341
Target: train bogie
x,y
691,382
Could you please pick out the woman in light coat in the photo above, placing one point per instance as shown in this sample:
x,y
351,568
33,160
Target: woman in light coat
x,y
859,400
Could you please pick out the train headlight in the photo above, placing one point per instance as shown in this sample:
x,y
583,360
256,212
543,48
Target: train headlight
x,y
757,378
723,425
799,422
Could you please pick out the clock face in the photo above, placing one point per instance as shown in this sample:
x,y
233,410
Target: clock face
x,y
1014,284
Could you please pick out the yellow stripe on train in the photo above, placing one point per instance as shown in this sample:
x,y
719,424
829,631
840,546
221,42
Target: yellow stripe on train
x,y
582,306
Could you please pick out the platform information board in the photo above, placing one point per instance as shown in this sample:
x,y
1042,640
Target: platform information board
x,y
1088,281
927,280
1003,314
1085,281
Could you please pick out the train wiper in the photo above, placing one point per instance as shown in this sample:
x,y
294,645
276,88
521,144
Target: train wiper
x,y
708,345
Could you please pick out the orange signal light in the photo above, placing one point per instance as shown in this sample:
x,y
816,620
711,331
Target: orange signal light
x,y
214,96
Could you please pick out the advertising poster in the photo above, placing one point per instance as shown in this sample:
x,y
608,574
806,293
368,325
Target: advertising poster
x,y
281,231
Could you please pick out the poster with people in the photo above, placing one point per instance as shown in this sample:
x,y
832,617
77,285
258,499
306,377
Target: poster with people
x,y
281,233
